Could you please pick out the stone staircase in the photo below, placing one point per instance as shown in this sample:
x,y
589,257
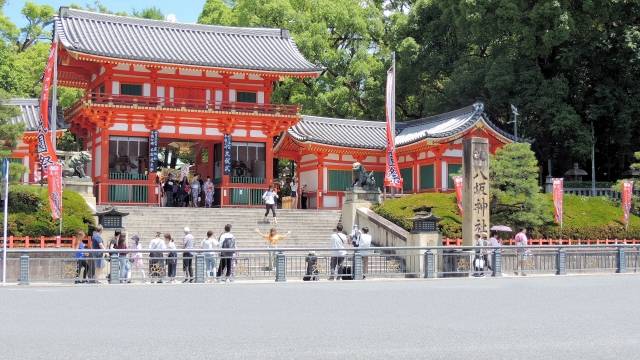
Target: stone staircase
x,y
309,228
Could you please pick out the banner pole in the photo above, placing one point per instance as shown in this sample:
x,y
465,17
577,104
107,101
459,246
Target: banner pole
x,y
5,163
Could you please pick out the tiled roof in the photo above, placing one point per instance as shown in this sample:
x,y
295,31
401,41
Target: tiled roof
x,y
175,43
30,114
372,134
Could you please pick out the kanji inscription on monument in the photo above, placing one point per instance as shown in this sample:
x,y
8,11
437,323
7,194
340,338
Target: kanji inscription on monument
x,y
476,189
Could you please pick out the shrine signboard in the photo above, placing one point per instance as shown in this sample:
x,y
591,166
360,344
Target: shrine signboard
x,y
476,189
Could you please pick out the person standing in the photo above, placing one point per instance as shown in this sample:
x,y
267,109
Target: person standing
x,y
338,239
355,235
156,266
82,266
172,258
187,256
294,193
96,265
195,191
209,191
272,239
521,243
136,257
495,244
304,197
210,243
167,190
123,259
269,198
227,244
364,244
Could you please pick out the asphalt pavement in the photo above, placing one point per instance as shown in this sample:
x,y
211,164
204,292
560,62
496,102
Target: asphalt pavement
x,y
553,317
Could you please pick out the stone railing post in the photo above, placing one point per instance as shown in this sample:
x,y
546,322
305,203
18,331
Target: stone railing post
x,y
357,265
24,270
496,262
115,269
430,264
200,268
561,262
621,261
281,267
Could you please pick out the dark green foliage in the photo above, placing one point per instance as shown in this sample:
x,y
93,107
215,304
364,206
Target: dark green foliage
x,y
585,217
29,213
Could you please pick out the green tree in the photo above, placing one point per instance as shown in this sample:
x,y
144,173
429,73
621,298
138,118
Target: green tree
x,y
152,12
9,133
38,17
567,65
346,38
515,195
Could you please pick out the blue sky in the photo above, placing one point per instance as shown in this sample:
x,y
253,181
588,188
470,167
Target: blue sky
x,y
185,10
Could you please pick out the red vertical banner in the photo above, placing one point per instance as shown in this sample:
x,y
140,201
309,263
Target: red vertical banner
x,y
392,176
458,181
627,199
55,190
46,153
558,200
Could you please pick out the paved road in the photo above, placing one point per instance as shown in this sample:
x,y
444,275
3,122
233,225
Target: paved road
x,y
577,317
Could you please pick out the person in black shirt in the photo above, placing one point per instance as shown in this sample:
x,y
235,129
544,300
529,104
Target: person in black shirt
x,y
168,190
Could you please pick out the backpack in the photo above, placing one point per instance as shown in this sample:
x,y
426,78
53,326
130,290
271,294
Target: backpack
x,y
228,243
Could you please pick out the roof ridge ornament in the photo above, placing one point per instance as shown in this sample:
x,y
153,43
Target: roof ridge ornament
x,y
478,107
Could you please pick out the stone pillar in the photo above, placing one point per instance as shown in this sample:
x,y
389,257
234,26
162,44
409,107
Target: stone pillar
x,y
24,270
424,233
200,270
476,189
281,267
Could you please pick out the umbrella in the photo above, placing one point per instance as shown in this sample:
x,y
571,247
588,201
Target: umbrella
x,y
502,228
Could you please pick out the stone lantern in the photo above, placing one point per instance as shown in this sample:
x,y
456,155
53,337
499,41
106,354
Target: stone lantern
x,y
110,218
424,220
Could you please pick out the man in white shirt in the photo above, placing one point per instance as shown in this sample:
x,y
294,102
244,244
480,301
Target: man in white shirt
x,y
269,198
156,263
187,256
364,244
338,238
210,243
523,253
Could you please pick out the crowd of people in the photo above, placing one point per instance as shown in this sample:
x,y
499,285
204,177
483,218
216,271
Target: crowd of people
x,y
184,193
219,260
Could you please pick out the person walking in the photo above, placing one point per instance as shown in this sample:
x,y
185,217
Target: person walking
x,y
209,191
82,265
269,198
495,244
210,243
337,241
187,256
272,239
522,252
172,258
227,244
96,264
136,258
156,263
364,244
195,191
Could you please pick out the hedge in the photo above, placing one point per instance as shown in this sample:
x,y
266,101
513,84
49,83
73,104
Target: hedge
x,y
585,217
29,213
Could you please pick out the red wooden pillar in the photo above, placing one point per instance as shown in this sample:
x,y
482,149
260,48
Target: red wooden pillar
x,y
104,165
269,160
437,168
416,169
319,193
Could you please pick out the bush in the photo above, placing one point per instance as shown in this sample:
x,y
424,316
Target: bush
x,y
584,217
29,213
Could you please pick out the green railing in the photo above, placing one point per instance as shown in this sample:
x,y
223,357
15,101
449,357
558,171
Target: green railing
x,y
128,194
246,196
127,176
247,180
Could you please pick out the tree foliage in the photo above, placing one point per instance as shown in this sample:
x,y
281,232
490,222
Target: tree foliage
x,y
346,38
515,195
566,64
9,132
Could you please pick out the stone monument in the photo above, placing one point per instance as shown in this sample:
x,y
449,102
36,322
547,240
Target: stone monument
x,y
475,197
364,193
